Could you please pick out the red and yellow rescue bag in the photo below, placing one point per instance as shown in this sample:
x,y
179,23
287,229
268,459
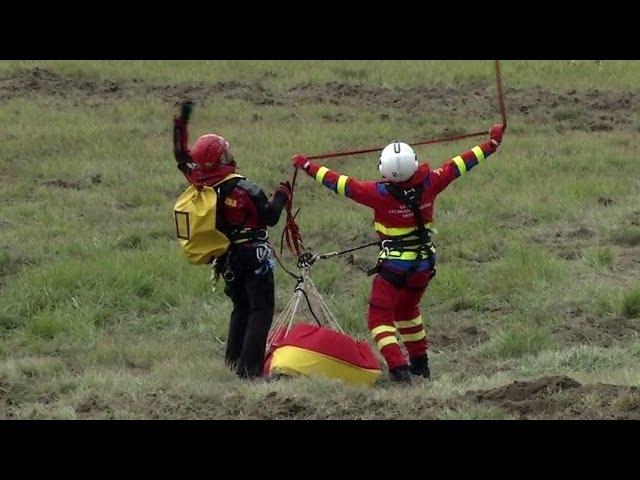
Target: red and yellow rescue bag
x,y
195,217
318,351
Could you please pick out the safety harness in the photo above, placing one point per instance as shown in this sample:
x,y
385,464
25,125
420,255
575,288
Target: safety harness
x,y
421,243
239,237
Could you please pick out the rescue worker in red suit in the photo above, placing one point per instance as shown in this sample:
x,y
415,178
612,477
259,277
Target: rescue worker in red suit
x,y
403,204
243,214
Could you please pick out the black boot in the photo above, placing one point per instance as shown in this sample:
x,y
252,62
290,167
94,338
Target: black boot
x,y
420,366
400,374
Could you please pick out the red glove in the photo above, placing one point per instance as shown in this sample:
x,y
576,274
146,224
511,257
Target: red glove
x,y
300,161
495,134
285,189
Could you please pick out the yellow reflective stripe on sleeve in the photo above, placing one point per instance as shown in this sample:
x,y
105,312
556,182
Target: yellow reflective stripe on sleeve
x,y
322,171
478,153
409,323
382,329
342,183
414,337
462,167
393,231
387,341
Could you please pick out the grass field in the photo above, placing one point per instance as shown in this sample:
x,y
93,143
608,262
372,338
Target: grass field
x,y
538,278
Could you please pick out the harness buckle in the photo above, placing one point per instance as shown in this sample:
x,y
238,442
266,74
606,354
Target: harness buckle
x,y
306,259
262,235
385,246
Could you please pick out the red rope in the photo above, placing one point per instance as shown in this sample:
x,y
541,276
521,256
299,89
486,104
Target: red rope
x,y
346,153
503,111
291,231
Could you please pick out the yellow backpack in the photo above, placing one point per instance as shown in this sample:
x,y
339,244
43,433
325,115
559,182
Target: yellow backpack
x,y
195,216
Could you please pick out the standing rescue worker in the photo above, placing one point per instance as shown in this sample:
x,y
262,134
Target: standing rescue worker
x,y
243,214
403,213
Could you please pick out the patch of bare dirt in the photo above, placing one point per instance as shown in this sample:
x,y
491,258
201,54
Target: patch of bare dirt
x,y
581,232
42,81
513,220
628,260
520,391
605,201
91,404
57,182
462,338
13,264
568,243
589,110
5,387
583,327
562,397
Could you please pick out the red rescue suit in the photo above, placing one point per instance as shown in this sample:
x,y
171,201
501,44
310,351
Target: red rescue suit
x,y
243,214
395,308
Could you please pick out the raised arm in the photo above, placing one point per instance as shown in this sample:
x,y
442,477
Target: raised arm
x,y
181,138
461,164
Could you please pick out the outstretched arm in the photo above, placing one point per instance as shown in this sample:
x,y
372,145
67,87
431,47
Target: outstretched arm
x,y
461,164
361,192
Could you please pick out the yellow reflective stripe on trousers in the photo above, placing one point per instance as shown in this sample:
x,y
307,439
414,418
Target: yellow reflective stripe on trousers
x,y
413,337
382,329
393,231
322,171
409,323
342,183
478,153
387,341
462,167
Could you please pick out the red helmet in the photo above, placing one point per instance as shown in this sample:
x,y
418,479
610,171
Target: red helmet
x,y
212,159
211,151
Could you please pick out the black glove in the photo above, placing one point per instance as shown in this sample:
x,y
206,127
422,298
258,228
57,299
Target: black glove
x,y
186,109
285,190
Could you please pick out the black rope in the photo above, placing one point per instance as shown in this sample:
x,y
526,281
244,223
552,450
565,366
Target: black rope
x,y
303,262
333,254
283,267
299,288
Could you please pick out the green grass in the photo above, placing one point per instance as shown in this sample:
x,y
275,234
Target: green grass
x,y
558,74
631,303
600,258
518,340
626,236
476,414
102,318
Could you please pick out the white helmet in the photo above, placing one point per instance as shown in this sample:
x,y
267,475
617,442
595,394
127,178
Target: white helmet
x,y
398,162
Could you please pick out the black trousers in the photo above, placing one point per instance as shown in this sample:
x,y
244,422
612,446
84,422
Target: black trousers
x,y
253,300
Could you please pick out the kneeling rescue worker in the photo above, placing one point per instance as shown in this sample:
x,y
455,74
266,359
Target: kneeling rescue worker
x,y
243,214
403,213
